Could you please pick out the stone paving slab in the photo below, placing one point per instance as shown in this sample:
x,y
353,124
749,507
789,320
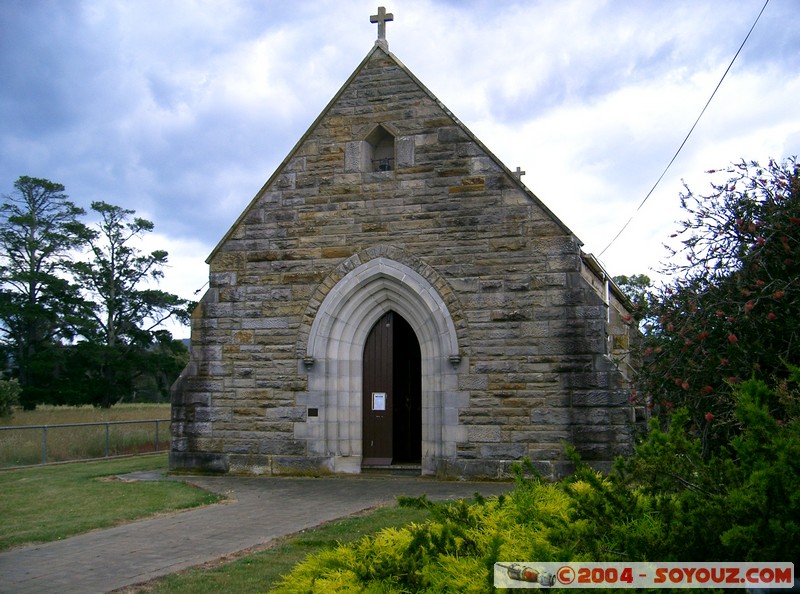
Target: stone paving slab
x,y
259,511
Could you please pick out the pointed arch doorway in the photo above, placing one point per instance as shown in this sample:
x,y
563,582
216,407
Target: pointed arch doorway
x,y
392,394
334,352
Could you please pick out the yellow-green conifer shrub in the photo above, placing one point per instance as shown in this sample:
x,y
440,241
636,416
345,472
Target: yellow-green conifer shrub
x,y
453,552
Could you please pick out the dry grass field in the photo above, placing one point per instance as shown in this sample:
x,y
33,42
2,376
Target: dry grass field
x,y
20,447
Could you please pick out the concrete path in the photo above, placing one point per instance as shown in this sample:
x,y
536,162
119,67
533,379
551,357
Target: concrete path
x,y
260,510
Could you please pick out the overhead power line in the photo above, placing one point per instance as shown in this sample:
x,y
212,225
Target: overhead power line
x,y
675,156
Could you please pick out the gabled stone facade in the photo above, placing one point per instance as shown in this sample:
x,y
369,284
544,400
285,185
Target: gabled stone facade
x,y
389,204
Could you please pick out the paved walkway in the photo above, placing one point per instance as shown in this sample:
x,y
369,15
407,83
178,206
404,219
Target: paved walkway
x,y
260,510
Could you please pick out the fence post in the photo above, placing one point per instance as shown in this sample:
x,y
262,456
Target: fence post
x,y
106,440
156,434
44,444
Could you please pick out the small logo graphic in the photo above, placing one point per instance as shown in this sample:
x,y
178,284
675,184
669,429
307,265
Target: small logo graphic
x,y
529,574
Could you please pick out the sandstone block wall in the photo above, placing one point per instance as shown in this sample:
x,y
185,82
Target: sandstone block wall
x,y
531,320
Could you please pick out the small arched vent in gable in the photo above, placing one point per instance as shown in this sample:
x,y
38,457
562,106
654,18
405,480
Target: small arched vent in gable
x,y
383,149
380,150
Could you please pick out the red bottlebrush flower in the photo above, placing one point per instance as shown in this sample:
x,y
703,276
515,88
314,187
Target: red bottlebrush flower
x,y
707,389
720,313
731,318
709,416
771,317
739,222
760,283
633,399
760,241
668,405
733,380
779,294
794,220
670,327
648,351
650,405
724,362
748,307
703,335
685,385
634,393
627,318
732,338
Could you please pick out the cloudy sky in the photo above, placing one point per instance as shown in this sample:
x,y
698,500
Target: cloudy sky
x,y
182,109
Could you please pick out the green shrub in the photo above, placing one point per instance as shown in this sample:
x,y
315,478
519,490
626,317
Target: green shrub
x,y
9,396
742,503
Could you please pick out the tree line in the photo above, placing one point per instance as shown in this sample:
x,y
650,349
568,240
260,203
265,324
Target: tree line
x,y
81,317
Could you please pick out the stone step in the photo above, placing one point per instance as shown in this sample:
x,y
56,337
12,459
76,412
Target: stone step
x,y
392,470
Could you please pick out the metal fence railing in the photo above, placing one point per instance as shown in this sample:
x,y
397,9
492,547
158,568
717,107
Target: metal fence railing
x,y
79,441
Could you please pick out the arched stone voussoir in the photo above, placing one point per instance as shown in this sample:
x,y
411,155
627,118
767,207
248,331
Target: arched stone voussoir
x,y
396,263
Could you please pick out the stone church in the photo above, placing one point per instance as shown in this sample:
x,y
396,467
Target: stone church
x,y
395,297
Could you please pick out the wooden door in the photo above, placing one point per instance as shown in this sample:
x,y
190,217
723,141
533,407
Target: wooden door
x,y
392,393
378,396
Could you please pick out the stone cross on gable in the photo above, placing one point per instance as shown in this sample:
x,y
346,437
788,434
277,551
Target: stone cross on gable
x,y
381,18
518,173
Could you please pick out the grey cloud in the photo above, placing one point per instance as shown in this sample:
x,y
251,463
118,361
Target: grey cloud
x,y
133,101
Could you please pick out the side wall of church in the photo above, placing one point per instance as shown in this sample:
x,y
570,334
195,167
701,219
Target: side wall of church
x,y
532,330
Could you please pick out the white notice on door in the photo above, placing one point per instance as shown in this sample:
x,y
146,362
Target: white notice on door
x,y
379,401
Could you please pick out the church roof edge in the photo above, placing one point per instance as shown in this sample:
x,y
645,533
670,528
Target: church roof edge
x,y
383,48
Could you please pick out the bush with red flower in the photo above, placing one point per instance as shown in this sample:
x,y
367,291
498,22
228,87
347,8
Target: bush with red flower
x,y
731,307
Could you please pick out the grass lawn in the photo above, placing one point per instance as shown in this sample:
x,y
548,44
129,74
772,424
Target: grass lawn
x,y
259,571
49,503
